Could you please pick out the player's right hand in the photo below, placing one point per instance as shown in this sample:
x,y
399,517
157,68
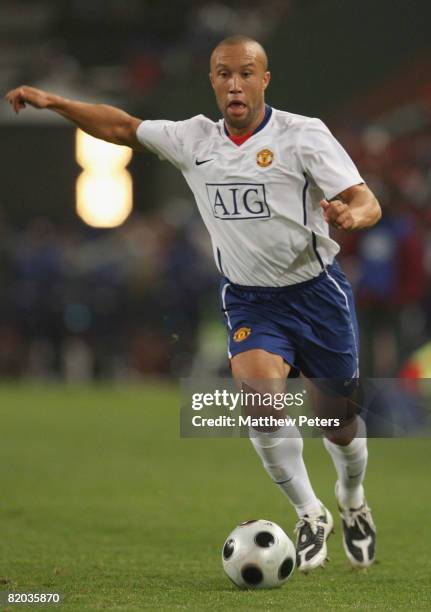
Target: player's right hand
x,y
338,214
19,97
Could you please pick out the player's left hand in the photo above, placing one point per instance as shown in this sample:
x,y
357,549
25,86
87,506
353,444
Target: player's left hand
x,y
338,214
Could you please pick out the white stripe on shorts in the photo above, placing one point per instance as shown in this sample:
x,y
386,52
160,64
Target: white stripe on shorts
x,y
356,372
223,298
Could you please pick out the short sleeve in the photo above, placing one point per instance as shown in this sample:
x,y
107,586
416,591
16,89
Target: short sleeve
x,y
325,159
164,138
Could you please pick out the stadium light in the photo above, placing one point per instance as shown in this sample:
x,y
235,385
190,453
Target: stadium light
x,y
104,194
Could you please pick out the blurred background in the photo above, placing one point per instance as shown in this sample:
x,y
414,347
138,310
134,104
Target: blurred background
x,y
79,301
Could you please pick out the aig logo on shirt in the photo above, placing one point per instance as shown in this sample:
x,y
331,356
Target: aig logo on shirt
x,y
231,201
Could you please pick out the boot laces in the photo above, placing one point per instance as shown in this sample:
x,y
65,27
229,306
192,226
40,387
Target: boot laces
x,y
352,518
311,521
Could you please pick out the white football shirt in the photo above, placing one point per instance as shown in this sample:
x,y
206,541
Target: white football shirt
x,y
260,201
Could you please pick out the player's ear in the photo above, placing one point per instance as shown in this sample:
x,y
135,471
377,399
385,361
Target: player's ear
x,y
211,79
266,79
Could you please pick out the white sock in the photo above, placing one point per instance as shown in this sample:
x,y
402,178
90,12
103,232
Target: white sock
x,y
281,454
350,463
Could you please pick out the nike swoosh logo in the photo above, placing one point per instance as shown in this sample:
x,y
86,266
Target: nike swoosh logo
x,y
203,161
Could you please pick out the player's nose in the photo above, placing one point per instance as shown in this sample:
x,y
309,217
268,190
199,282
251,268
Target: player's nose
x,y
235,85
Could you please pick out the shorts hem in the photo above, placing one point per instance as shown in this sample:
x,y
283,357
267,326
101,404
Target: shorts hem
x,y
287,357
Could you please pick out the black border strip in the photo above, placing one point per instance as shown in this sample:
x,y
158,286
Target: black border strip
x,y
316,251
219,261
304,198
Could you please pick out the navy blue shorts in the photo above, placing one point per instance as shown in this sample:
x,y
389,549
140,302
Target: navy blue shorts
x,y
312,325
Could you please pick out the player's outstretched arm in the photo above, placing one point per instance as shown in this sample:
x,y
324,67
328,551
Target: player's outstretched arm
x,y
99,120
353,209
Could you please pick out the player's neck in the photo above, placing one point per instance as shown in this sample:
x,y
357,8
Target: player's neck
x,y
249,129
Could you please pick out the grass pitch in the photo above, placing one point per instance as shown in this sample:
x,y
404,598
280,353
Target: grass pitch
x,y
101,501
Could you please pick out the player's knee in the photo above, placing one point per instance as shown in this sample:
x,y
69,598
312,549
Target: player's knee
x,y
339,413
262,404
344,433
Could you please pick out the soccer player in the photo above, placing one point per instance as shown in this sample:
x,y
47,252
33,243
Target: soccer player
x,y
268,183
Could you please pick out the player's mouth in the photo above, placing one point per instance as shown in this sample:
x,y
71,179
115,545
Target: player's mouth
x,y
237,108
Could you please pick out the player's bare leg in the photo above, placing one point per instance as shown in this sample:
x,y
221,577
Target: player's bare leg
x,y
281,453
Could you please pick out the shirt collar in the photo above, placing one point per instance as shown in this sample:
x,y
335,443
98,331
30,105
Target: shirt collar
x,y
266,118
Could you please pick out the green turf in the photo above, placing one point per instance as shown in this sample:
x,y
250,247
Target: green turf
x,y
100,500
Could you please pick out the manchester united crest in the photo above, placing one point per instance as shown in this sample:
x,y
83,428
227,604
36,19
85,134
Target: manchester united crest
x,y
241,334
264,158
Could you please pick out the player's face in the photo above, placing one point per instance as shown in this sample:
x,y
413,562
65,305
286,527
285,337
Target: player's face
x,y
239,78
